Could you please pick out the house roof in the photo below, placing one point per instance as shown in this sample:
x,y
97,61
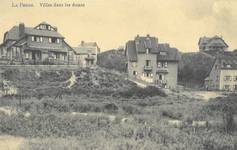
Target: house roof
x,y
143,43
171,53
212,41
131,51
63,50
86,47
227,61
32,31
88,44
140,44
13,33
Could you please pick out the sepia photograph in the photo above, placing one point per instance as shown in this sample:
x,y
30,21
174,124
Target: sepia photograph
x,y
118,75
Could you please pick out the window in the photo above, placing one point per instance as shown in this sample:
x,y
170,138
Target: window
x,y
148,62
160,77
227,78
147,74
165,64
36,39
148,51
235,87
57,56
27,55
235,78
134,64
226,87
159,64
163,53
162,64
134,73
54,40
43,27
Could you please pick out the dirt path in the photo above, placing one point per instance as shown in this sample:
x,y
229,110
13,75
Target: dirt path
x,y
204,95
8,142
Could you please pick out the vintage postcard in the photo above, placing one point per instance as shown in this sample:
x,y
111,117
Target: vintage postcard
x,y
118,75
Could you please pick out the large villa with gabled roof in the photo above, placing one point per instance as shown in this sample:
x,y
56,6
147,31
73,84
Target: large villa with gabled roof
x,y
42,44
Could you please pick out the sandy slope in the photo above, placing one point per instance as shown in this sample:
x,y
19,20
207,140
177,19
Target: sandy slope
x,y
8,142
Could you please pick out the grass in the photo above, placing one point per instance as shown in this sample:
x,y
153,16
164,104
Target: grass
x,y
119,116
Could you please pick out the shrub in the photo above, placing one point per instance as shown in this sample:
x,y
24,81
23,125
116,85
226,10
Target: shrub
x,y
135,91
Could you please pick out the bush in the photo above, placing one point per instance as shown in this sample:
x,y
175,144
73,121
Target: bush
x,y
135,91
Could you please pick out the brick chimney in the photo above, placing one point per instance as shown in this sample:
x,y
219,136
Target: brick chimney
x,y
21,29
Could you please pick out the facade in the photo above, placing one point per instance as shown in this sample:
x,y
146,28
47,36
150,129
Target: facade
x,y
38,45
213,44
86,54
152,62
223,75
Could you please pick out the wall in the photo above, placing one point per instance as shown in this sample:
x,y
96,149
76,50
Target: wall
x,y
214,77
172,69
172,75
44,43
232,83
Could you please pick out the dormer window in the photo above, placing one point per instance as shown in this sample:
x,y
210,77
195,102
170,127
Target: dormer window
x,y
36,39
54,40
43,27
163,53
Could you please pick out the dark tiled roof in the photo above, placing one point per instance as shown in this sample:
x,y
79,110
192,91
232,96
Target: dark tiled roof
x,y
143,43
131,51
86,47
140,44
212,41
79,50
32,31
172,54
227,61
13,33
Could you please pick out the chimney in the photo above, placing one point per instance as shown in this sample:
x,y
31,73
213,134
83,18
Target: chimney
x,y
21,29
137,36
148,35
56,29
82,43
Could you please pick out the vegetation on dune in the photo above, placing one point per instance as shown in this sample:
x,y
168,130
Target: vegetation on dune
x,y
112,59
102,110
194,68
227,109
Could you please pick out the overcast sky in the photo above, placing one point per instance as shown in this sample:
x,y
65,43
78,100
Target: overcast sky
x,y
113,22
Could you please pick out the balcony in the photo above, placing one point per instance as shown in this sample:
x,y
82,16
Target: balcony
x,y
147,68
162,70
90,58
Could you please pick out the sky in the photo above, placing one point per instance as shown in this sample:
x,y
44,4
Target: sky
x,y
111,23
